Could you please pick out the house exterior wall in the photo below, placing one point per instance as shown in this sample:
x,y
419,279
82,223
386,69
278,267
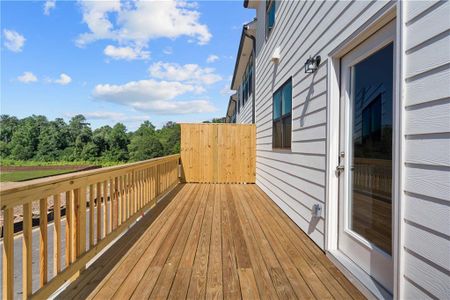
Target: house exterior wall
x,y
245,114
296,179
426,201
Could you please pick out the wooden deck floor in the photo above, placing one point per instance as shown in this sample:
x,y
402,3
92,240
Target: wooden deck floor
x,y
214,241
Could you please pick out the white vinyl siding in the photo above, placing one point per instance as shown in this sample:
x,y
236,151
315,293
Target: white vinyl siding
x,y
427,150
295,180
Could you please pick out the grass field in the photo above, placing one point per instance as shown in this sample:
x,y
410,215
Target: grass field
x,y
27,175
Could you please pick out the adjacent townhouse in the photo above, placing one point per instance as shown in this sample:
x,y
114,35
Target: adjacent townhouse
x,y
351,101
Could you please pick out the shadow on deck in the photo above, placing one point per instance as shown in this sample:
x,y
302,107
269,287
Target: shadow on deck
x,y
214,241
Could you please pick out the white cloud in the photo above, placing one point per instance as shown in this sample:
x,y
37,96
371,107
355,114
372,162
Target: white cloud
x,y
126,53
48,6
191,73
226,90
138,22
154,96
14,41
168,50
212,58
114,116
63,79
27,77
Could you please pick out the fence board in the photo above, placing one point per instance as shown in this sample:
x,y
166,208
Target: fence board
x,y
218,153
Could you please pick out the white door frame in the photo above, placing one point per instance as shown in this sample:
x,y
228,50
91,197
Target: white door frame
x,y
388,13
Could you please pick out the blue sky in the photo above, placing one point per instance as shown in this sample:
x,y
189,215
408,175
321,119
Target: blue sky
x,y
119,61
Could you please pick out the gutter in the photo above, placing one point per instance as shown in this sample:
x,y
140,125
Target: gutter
x,y
241,44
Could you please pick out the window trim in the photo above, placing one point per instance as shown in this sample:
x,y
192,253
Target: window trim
x,y
282,117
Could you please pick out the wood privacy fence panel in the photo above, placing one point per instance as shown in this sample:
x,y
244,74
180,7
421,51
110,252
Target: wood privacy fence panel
x,y
218,153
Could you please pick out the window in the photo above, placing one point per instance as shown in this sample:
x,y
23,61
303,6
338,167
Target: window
x,y
282,119
270,16
239,100
247,81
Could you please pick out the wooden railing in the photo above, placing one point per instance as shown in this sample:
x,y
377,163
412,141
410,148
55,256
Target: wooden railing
x,y
99,205
373,175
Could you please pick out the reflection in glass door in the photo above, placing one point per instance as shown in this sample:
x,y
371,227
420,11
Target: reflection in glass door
x,y
371,153
366,155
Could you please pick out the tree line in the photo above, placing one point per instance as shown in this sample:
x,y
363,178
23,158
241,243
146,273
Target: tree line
x,y
39,139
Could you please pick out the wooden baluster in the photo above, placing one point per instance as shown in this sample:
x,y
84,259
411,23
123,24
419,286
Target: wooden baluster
x,y
123,196
80,211
108,205
43,247
119,200
157,182
56,234
126,196
91,216
130,194
105,206
151,185
154,185
8,253
73,224
139,183
116,204
134,192
69,228
99,211
147,187
111,204
27,244
142,188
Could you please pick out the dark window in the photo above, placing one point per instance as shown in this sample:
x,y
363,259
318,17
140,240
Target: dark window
x,y
239,100
282,116
270,16
247,81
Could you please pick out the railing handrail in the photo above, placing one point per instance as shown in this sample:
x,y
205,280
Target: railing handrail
x,y
10,190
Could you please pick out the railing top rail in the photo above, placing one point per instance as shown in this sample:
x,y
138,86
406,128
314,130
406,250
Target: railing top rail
x,y
7,190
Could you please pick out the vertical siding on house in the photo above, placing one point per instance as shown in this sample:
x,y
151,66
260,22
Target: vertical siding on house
x,y
295,180
426,176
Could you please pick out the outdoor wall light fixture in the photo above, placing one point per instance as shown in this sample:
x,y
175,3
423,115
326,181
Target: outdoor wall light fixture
x,y
312,64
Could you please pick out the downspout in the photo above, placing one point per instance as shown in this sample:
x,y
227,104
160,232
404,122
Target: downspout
x,y
253,76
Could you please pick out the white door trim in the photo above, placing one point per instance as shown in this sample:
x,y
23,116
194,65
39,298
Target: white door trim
x,y
357,247
392,10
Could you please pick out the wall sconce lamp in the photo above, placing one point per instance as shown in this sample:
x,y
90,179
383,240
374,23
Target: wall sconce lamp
x,y
276,56
312,64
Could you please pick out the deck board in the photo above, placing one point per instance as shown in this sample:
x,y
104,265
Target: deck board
x,y
215,241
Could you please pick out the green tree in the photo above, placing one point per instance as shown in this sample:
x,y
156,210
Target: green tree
x,y
76,126
49,146
100,138
169,136
118,144
145,144
216,120
25,139
8,125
